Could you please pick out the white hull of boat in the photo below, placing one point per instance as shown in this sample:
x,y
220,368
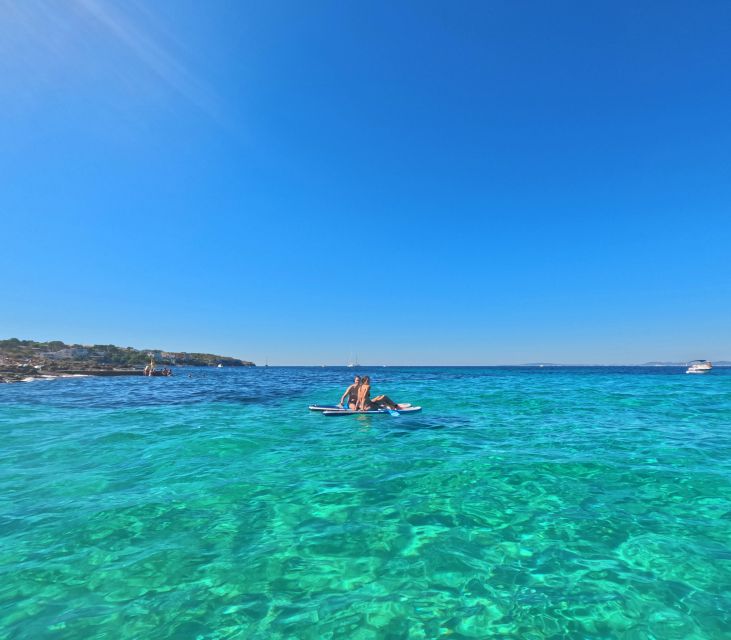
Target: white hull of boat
x,y
699,367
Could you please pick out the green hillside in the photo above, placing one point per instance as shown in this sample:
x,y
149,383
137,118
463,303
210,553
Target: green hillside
x,y
57,354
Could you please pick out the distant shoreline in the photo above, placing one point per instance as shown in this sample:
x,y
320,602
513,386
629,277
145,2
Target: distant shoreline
x,y
28,359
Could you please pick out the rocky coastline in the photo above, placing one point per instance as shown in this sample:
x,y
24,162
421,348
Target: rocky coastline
x,y
26,360
26,373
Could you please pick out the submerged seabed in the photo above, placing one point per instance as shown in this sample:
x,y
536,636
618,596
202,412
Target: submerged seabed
x,y
522,503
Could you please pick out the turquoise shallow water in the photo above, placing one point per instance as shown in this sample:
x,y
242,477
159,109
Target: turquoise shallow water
x,y
522,503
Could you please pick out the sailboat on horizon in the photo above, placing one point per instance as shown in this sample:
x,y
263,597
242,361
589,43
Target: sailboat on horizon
x,y
353,363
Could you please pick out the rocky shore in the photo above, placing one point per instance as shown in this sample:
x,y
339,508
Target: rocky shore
x,y
25,360
26,373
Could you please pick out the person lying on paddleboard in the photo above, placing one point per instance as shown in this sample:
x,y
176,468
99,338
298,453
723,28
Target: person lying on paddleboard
x,y
366,403
352,394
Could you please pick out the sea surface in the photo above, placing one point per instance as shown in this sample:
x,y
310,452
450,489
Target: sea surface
x,y
521,503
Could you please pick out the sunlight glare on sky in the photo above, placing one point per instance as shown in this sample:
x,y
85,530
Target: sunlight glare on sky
x,y
418,183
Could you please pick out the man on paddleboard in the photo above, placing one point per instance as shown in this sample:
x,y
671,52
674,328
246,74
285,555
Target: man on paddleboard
x,y
352,394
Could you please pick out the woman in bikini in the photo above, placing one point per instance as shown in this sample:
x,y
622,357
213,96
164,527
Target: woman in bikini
x,y
366,403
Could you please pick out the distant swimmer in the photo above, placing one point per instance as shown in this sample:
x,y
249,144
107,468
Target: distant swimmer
x,y
351,393
366,403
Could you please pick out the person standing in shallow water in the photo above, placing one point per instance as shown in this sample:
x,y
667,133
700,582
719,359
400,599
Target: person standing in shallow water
x,y
365,403
351,393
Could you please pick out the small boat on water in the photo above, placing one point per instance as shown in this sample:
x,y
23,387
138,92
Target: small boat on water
x,y
699,366
220,366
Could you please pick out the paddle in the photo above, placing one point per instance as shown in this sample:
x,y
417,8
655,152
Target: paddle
x,y
393,412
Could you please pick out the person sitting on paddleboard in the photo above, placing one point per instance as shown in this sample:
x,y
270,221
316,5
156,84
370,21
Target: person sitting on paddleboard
x,y
352,394
366,403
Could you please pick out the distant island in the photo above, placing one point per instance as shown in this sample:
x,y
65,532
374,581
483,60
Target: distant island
x,y
716,363
22,359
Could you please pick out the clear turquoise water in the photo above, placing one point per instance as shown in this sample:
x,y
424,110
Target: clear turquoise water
x,y
582,503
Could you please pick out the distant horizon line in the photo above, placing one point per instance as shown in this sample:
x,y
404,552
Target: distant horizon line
x,y
721,362
717,363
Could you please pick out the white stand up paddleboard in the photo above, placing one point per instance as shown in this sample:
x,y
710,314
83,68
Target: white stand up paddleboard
x,y
335,407
348,412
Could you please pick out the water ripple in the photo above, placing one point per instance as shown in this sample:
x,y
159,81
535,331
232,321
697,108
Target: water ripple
x,y
522,503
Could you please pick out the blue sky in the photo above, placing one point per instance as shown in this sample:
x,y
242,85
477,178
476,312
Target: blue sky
x,y
420,183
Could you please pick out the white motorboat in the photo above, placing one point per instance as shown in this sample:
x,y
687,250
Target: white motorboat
x,y
699,366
